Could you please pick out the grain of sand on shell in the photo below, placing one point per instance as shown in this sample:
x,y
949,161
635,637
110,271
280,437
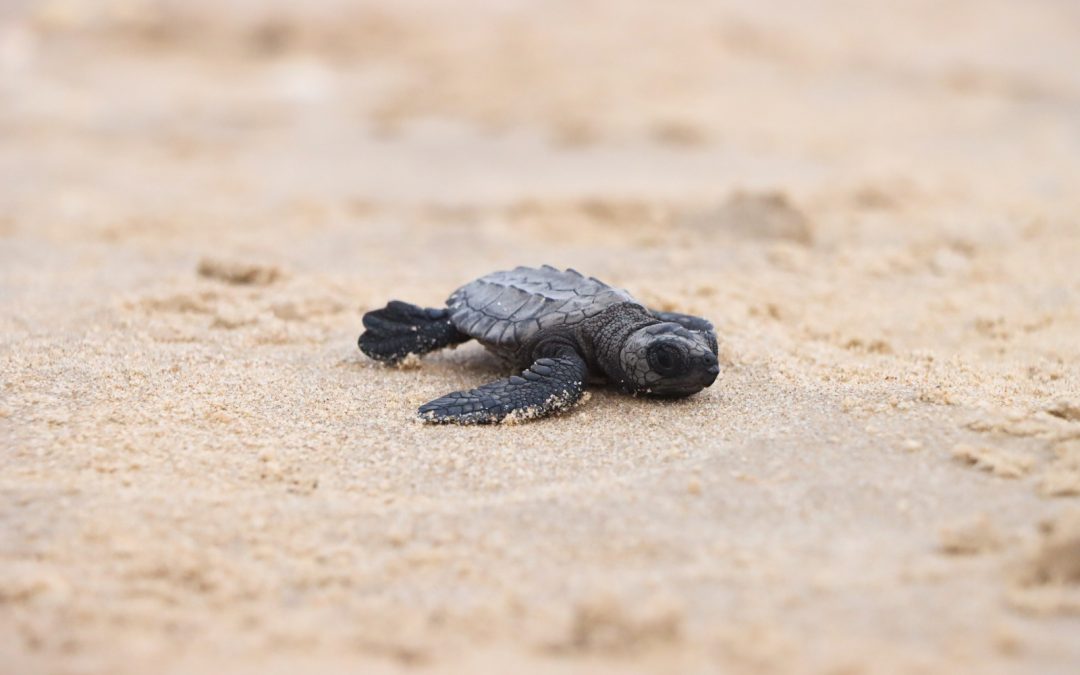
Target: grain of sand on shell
x,y
877,207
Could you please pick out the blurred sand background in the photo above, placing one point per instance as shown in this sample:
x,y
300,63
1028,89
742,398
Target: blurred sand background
x,y
878,204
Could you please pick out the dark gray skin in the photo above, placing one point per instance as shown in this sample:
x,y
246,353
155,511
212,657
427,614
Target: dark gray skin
x,y
561,330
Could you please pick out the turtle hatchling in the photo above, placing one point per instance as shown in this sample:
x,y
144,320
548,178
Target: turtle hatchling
x,y
561,330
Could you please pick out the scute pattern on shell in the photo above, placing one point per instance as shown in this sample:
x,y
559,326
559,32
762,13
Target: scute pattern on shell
x,y
505,309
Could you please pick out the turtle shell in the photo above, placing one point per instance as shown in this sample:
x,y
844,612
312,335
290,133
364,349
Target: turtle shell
x,y
504,309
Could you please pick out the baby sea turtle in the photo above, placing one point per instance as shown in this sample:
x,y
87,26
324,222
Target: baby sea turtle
x,y
561,330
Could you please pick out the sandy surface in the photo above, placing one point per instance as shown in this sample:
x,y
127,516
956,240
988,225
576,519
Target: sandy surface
x,y
878,209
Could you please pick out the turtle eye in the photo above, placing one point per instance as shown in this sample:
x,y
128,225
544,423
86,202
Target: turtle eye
x,y
666,359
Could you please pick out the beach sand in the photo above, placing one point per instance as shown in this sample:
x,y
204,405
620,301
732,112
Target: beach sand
x,y
877,207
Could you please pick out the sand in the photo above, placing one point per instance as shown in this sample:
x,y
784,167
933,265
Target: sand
x,y
877,206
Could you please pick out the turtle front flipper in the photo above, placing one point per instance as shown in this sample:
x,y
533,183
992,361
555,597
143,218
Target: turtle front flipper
x,y
548,386
690,322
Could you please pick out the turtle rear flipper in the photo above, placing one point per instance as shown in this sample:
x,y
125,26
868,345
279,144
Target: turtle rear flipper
x,y
400,329
548,386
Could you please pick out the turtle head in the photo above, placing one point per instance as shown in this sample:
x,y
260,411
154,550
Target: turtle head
x,y
665,359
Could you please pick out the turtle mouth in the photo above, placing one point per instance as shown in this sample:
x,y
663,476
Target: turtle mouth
x,y
710,375
701,377
681,392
